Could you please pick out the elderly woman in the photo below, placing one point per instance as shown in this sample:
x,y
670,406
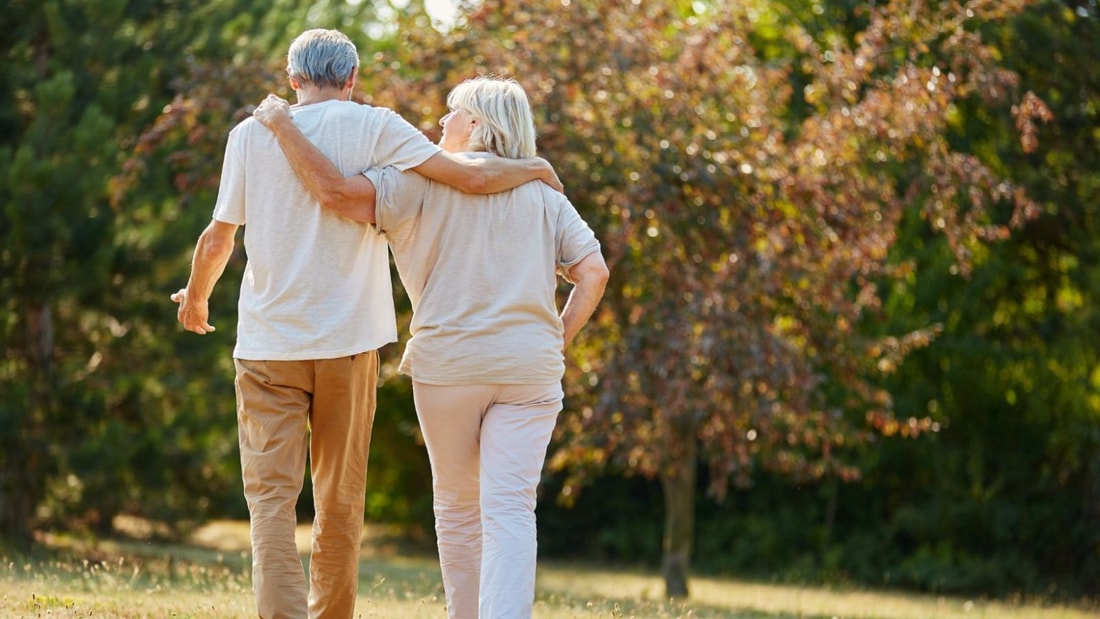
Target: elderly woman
x,y
485,353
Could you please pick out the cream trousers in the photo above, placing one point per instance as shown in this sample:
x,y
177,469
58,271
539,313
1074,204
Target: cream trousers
x,y
487,444
284,409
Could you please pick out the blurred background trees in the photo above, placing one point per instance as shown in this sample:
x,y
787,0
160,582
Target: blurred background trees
x,y
850,332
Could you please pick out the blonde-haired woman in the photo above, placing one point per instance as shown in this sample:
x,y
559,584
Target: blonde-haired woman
x,y
485,353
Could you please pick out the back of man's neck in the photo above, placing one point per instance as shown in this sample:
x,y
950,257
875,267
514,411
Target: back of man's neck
x,y
310,96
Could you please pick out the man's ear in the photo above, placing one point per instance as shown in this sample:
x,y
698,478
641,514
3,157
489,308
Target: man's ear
x,y
295,83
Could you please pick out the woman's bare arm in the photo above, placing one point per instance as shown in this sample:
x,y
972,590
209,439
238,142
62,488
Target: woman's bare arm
x,y
589,277
481,175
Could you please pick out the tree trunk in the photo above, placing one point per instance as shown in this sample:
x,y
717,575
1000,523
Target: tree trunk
x,y
678,482
22,478
15,510
832,488
1092,505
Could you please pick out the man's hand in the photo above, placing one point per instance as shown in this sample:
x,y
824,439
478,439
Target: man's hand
x,y
193,314
550,177
272,110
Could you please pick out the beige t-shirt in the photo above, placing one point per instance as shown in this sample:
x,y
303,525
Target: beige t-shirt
x,y
316,286
481,274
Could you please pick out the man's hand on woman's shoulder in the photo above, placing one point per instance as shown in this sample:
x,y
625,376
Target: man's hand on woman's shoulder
x,y
550,177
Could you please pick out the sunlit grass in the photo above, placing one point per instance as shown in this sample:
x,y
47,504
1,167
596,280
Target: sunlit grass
x,y
210,578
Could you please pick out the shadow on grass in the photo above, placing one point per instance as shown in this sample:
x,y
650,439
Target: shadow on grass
x,y
638,609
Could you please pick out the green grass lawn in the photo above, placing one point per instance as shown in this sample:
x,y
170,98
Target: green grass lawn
x,y
209,578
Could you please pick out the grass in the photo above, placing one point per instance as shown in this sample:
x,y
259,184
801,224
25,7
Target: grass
x,y
209,578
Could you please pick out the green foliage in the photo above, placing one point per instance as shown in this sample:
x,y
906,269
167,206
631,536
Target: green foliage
x,y
399,483
1011,380
109,408
616,521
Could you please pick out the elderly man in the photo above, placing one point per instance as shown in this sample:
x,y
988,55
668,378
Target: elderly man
x,y
315,307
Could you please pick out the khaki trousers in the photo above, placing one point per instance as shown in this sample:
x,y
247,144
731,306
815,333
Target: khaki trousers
x,y
487,444
284,410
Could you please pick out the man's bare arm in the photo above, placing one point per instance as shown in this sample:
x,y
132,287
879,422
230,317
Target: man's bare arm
x,y
212,253
481,175
589,277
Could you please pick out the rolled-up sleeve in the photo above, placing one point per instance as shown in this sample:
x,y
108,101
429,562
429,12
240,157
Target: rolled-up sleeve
x,y
398,196
230,205
575,239
403,146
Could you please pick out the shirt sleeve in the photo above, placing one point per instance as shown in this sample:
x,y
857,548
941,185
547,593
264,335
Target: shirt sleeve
x,y
574,238
399,196
402,145
229,207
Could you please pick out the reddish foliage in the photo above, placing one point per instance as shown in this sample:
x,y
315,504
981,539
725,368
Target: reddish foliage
x,y
748,224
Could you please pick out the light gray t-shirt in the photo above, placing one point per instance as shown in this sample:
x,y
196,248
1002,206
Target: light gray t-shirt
x,y
316,286
481,274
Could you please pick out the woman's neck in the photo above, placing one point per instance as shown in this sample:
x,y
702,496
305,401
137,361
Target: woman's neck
x,y
455,148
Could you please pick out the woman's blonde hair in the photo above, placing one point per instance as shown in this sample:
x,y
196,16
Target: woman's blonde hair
x,y
506,126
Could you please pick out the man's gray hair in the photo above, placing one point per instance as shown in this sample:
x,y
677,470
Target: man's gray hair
x,y
324,58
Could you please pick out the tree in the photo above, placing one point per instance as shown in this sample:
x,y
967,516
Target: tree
x,y
60,113
748,224
106,409
1014,371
